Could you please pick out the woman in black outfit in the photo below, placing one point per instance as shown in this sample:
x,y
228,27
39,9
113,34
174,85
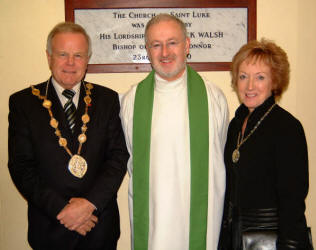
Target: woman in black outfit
x,y
265,154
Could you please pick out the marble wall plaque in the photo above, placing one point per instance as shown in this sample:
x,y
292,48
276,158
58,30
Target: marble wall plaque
x,y
117,35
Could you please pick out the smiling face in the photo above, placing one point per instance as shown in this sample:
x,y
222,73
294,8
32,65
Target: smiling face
x,y
254,84
167,48
69,58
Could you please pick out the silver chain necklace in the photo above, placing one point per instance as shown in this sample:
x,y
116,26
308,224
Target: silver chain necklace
x,y
236,153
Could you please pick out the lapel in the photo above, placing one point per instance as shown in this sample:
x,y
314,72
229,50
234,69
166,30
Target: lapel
x,y
59,114
80,111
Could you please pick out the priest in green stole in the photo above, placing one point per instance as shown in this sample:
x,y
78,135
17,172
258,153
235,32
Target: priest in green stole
x,y
175,126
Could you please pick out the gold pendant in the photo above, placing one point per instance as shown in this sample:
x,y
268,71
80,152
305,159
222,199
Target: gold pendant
x,y
77,166
235,155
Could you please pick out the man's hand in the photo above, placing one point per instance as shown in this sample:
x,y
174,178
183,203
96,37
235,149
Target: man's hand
x,y
87,227
76,213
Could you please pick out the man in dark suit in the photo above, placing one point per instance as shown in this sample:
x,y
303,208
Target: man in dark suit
x,y
67,154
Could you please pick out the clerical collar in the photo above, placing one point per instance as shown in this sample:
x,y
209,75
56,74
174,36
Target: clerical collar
x,y
164,85
59,90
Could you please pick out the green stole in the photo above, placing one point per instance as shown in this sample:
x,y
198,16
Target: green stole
x,y
199,153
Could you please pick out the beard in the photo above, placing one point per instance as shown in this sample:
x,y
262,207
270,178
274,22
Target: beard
x,y
169,74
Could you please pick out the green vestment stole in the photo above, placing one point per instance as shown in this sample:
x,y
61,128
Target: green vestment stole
x,y
199,155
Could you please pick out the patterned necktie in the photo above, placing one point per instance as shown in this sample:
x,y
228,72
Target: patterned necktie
x,y
70,108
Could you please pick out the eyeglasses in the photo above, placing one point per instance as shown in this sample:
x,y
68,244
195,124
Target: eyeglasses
x,y
75,56
170,45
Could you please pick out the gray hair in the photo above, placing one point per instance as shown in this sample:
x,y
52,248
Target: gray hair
x,y
165,17
65,27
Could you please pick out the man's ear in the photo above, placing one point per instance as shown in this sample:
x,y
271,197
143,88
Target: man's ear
x,y
49,58
187,45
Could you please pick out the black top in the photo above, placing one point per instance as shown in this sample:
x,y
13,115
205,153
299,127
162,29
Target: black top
x,y
272,168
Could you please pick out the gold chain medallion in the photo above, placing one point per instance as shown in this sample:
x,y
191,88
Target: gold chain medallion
x,y
77,165
236,153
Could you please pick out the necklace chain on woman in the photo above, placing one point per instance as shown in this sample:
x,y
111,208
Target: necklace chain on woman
x,y
236,153
77,164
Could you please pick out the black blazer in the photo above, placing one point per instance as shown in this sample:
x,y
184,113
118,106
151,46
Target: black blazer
x,y
272,171
38,166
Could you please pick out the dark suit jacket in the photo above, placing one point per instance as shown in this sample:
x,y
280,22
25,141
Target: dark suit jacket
x,y
38,166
